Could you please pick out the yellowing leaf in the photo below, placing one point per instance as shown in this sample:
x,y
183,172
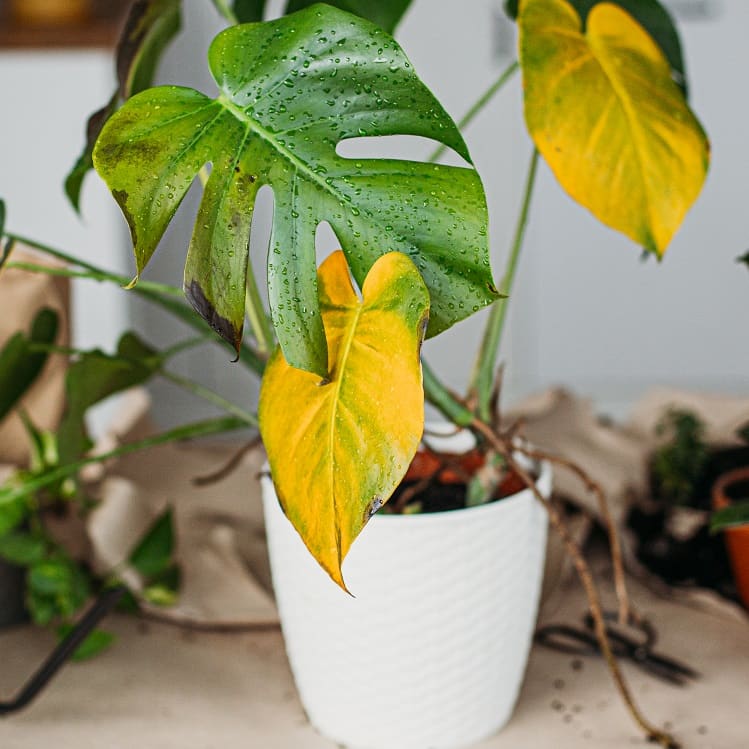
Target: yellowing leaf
x,y
339,447
611,123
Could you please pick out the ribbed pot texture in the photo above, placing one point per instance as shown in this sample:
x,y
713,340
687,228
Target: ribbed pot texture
x,y
431,651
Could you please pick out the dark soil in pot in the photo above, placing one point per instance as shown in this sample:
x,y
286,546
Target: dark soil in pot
x,y
438,483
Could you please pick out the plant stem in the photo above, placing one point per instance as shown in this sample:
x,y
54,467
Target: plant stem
x,y
164,296
210,396
435,391
188,343
481,102
653,733
90,273
261,327
230,466
620,583
189,431
226,12
483,373
444,399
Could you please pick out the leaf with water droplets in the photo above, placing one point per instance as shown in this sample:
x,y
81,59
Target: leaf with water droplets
x,y
290,91
338,448
385,13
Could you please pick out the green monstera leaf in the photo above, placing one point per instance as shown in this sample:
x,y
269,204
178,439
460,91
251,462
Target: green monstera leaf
x,y
150,26
290,91
385,13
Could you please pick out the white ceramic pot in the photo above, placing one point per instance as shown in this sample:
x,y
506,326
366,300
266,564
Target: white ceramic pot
x,y
431,652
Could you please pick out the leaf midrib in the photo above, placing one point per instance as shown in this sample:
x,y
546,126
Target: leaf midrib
x,y
345,351
631,116
301,165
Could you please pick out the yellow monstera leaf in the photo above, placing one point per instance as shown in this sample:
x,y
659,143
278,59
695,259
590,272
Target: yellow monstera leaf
x,y
605,114
339,447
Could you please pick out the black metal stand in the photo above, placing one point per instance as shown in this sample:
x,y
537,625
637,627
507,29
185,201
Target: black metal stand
x,y
103,606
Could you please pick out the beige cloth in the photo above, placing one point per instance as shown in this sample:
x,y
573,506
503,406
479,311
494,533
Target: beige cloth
x,y
23,294
164,688
219,528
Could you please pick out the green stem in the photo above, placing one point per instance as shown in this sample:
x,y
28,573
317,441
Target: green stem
x,y
435,391
189,431
226,12
48,348
162,295
210,396
481,102
444,400
90,273
188,343
482,380
261,327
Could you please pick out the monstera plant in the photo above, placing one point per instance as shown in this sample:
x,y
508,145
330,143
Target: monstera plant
x,y
291,91
341,403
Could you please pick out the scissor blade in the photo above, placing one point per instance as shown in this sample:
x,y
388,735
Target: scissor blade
x,y
667,669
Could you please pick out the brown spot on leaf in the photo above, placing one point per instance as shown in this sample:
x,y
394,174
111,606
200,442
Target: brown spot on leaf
x,y
372,508
204,307
121,197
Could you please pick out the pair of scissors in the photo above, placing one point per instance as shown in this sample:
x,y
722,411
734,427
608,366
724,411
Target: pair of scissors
x,y
637,647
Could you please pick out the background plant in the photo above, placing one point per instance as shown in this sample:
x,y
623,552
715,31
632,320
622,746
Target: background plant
x,y
57,585
737,514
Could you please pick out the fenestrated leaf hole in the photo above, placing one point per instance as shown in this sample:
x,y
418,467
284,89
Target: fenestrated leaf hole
x,y
327,242
398,147
260,233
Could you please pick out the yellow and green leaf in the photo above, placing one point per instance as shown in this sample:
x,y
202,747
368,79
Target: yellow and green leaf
x,y
605,113
338,447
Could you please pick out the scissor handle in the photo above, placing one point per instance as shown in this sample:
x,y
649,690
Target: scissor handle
x,y
566,639
636,639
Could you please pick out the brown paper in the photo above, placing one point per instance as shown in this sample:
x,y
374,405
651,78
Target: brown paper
x,y
23,294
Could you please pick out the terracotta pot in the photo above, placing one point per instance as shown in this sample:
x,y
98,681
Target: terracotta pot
x,y
737,539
